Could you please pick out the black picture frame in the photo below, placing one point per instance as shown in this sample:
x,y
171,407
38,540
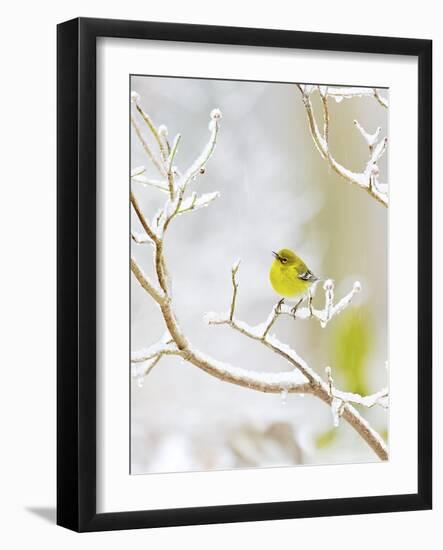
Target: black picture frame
x,y
76,274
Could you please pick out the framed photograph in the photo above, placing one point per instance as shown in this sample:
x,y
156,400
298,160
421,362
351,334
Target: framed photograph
x,y
244,274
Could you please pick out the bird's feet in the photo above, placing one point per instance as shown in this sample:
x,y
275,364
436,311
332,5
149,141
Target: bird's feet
x,y
278,306
310,298
294,309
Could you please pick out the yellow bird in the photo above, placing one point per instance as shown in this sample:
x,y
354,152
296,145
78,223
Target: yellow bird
x,y
290,276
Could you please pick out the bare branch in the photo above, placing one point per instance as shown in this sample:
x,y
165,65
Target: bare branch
x,y
234,270
137,171
140,238
146,283
173,151
383,102
142,219
273,316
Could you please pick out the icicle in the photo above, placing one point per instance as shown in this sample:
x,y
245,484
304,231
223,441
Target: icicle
x,y
284,396
335,410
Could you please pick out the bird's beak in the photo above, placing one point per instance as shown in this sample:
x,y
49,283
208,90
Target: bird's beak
x,y
275,255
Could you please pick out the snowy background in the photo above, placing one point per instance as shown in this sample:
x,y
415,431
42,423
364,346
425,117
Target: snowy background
x,y
276,192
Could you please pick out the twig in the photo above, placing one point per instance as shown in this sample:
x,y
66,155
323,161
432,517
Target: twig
x,y
140,238
146,147
273,316
381,100
169,165
153,129
235,287
158,184
142,219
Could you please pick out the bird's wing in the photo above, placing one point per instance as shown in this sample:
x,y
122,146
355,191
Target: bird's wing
x,y
307,276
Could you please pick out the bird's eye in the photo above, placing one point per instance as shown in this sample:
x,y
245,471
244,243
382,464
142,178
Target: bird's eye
x,y
284,260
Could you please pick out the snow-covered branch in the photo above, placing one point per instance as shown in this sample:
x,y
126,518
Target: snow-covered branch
x,y
198,166
345,92
330,308
195,201
341,399
367,179
300,377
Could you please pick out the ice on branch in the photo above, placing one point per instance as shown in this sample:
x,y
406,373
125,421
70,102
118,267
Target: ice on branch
x,y
368,178
216,114
336,410
340,93
205,155
379,398
340,398
135,97
194,201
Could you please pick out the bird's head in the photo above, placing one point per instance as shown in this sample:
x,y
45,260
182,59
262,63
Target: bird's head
x,y
286,257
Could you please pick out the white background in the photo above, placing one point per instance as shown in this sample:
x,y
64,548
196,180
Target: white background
x,y
27,398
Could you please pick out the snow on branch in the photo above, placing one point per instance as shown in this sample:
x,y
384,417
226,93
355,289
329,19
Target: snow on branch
x,y
330,308
160,348
144,360
195,201
345,92
198,166
300,378
338,401
368,178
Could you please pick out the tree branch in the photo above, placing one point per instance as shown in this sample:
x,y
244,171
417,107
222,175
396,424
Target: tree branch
x,y
368,178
